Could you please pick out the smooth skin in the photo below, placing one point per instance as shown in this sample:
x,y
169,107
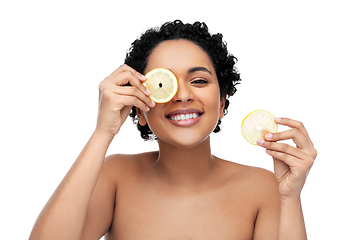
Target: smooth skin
x,y
181,191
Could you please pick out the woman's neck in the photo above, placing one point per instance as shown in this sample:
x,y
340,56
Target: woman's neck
x,y
185,167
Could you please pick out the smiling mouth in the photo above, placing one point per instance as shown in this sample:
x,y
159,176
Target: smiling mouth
x,y
184,117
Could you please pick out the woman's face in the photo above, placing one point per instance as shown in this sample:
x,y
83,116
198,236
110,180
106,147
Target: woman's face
x,y
191,116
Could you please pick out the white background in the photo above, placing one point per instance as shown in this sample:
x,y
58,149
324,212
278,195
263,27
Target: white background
x,y
298,59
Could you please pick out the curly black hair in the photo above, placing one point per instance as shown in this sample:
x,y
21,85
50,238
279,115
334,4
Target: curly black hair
x,y
198,33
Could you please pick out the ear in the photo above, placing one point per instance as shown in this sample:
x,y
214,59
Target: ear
x,y
142,119
222,106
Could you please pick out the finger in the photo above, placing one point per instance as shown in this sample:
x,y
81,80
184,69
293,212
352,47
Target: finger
x,y
303,165
114,99
126,100
298,137
284,148
125,67
289,160
294,124
128,78
132,91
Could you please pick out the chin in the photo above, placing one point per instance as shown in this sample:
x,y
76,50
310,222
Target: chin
x,y
184,141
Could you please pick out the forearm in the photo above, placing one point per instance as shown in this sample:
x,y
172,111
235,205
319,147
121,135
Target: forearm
x,y
64,214
292,225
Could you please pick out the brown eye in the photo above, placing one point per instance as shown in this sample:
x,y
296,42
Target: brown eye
x,y
199,81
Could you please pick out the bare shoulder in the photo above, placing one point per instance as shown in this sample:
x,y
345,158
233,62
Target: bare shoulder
x,y
255,180
248,172
128,164
140,158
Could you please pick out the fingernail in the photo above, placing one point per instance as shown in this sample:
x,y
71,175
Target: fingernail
x,y
277,119
260,142
268,136
152,103
148,91
142,77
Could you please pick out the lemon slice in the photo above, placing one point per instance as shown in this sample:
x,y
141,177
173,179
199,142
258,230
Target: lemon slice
x,y
257,124
162,83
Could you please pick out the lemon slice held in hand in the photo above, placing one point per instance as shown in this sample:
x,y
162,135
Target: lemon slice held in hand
x,y
162,83
257,124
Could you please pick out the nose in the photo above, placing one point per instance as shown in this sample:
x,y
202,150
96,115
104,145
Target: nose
x,y
183,93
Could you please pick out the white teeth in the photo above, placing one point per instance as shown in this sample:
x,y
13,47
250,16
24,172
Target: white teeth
x,y
183,117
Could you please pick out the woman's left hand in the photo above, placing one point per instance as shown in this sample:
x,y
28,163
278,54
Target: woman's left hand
x,y
291,164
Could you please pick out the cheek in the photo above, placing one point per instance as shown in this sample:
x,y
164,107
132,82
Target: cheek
x,y
211,100
152,117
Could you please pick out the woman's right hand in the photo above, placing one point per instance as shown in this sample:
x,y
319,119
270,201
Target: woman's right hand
x,y
116,99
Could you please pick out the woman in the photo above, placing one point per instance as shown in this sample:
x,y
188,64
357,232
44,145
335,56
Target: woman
x,y
181,191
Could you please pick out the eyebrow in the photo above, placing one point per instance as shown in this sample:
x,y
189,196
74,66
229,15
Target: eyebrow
x,y
195,69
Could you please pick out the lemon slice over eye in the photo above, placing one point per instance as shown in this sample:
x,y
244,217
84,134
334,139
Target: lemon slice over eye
x,y
162,83
257,124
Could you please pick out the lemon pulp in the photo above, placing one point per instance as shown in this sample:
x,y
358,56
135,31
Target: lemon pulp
x,y
257,124
162,83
